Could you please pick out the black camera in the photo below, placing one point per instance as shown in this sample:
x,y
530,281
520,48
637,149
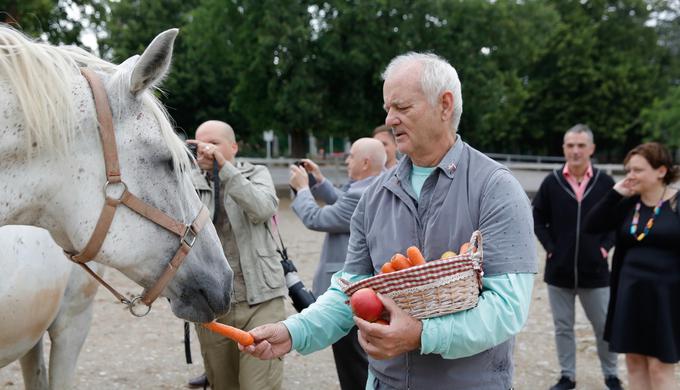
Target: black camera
x,y
310,177
300,296
193,148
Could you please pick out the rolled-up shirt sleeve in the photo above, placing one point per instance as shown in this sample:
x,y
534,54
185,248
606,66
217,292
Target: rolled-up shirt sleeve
x,y
326,320
500,314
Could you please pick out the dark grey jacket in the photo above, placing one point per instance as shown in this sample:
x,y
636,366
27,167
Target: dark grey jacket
x,y
467,191
333,218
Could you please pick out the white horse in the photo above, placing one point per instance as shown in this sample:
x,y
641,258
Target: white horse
x,y
62,304
57,172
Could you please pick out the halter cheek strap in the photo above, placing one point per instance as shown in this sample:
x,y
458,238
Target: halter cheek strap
x,y
187,233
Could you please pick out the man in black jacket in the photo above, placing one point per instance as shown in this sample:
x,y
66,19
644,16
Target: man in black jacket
x,y
576,262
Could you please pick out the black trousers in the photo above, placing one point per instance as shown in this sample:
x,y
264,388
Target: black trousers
x,y
351,362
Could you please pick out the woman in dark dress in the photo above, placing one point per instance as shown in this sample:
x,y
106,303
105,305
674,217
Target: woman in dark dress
x,y
643,320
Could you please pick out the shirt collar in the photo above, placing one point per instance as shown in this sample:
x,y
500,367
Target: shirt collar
x,y
588,174
448,164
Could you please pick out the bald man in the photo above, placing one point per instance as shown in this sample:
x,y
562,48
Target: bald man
x,y
247,202
365,162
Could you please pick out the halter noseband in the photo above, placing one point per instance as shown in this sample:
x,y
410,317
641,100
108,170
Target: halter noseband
x,y
187,233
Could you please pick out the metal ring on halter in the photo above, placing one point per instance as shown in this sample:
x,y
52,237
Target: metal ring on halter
x,y
106,186
134,303
189,236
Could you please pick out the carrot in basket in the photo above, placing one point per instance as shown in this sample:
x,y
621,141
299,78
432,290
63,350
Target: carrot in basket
x,y
400,262
414,255
242,337
387,268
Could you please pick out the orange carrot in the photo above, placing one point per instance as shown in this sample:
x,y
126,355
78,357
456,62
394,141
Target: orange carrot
x,y
415,256
242,337
400,262
387,268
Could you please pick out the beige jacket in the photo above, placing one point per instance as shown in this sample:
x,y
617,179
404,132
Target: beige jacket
x,y
250,201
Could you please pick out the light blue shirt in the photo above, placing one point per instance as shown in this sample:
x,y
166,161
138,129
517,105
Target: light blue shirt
x,y
501,312
418,177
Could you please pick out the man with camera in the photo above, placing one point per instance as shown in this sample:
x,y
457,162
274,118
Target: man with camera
x,y
365,162
247,201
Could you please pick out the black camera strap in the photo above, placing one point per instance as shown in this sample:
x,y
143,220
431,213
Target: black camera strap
x,y
287,264
300,296
218,215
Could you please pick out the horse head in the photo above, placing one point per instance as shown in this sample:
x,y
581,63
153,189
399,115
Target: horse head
x,y
53,172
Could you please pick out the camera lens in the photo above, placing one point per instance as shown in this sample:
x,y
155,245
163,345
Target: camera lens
x,y
193,148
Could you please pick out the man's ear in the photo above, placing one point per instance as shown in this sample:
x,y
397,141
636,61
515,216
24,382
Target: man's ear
x,y
446,104
234,147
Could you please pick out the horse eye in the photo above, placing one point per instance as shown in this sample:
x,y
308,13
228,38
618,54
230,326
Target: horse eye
x,y
171,165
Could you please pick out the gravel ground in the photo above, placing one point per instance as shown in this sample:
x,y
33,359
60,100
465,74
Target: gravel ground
x,y
123,352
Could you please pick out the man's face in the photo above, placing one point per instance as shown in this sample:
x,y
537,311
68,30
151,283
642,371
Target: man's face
x,y
216,136
355,164
415,122
577,149
390,146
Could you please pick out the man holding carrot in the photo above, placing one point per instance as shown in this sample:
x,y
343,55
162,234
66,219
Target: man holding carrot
x,y
436,196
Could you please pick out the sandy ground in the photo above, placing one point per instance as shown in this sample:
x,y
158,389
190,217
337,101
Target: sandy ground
x,y
123,352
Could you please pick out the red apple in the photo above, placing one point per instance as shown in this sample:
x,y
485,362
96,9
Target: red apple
x,y
366,304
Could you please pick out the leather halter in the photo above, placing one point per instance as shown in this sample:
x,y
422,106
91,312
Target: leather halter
x,y
187,233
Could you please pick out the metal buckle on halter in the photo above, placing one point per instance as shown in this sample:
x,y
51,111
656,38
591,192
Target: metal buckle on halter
x,y
135,303
189,236
106,187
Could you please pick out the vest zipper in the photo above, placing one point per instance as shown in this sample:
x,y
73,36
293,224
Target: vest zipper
x,y
408,372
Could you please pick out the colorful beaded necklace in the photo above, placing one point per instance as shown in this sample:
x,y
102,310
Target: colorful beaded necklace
x,y
650,222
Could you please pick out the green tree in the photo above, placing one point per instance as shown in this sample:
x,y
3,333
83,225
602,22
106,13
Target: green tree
x,y
600,67
530,69
480,38
256,62
58,21
661,121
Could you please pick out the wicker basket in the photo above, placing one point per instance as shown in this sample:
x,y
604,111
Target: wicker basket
x,y
434,289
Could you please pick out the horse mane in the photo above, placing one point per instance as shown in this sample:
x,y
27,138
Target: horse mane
x,y
42,76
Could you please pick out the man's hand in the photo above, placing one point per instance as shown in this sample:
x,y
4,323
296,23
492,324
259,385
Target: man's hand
x,y
207,153
623,187
271,341
387,341
311,167
298,178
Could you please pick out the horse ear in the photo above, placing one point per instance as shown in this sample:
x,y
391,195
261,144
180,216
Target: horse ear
x,y
154,62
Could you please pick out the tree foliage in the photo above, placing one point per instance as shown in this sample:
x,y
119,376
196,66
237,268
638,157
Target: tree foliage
x,y
57,21
530,69
600,68
661,121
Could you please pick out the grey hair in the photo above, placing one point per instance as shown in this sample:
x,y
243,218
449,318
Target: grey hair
x,y
437,77
581,129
